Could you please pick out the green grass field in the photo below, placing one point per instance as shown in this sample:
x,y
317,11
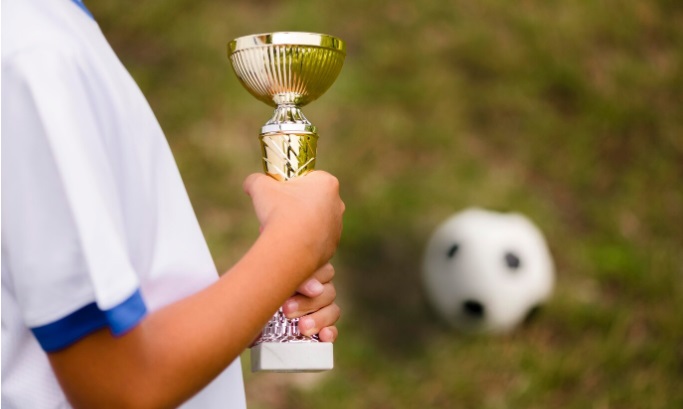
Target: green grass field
x,y
570,112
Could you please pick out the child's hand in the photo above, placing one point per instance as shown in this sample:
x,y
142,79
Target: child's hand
x,y
303,217
306,212
314,303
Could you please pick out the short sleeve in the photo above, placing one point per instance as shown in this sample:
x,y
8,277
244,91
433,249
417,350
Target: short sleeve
x,y
62,236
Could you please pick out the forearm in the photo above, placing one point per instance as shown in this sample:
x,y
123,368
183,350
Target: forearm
x,y
176,351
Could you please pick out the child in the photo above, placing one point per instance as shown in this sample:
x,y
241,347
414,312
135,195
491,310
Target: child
x,y
109,294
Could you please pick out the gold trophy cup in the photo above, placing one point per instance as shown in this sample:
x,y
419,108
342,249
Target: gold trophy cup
x,y
287,70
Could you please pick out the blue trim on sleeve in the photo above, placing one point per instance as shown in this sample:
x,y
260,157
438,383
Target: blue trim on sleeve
x,y
66,331
80,323
80,4
126,315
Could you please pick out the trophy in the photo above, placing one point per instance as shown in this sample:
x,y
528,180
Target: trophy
x,y
287,70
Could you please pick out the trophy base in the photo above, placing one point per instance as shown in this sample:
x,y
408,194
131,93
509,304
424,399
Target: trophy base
x,y
292,357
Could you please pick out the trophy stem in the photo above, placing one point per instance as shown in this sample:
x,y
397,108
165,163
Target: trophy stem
x,y
288,114
288,155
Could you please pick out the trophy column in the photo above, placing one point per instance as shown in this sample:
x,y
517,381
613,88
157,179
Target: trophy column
x,y
282,347
288,155
287,70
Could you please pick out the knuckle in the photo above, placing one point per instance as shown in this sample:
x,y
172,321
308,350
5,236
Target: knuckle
x,y
332,291
254,181
330,181
247,183
336,310
334,182
329,269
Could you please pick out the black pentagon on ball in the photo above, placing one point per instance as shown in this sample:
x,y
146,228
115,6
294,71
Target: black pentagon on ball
x,y
512,260
453,250
473,309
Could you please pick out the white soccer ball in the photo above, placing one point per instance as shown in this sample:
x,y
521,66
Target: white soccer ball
x,y
485,271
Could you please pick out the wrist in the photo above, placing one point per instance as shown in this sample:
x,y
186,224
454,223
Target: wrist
x,y
291,248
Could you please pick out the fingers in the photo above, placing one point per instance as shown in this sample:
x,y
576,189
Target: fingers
x,y
328,334
300,305
322,319
313,287
325,273
314,303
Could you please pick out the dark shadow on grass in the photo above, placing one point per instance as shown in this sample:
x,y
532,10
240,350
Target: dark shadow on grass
x,y
382,273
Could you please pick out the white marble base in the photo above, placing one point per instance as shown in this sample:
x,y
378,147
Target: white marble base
x,y
292,357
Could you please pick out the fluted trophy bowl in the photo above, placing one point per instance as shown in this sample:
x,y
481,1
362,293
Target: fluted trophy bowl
x,y
288,70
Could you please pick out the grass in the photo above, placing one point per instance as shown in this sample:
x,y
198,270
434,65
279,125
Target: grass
x,y
570,112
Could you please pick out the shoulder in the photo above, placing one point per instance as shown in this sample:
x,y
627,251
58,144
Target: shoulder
x,y
42,27
54,53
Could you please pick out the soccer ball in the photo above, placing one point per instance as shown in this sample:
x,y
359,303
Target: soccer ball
x,y
485,271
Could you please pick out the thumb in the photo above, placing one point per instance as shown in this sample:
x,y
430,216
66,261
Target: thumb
x,y
252,182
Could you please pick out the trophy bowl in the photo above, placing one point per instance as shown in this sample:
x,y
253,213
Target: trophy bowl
x,y
287,68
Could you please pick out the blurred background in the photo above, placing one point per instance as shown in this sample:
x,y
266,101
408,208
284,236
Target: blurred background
x,y
570,112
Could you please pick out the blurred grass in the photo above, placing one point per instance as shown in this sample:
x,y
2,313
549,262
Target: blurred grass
x,y
570,112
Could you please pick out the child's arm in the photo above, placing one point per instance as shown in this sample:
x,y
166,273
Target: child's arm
x,y
176,351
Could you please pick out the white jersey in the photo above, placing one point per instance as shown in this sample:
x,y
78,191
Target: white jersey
x,y
97,228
